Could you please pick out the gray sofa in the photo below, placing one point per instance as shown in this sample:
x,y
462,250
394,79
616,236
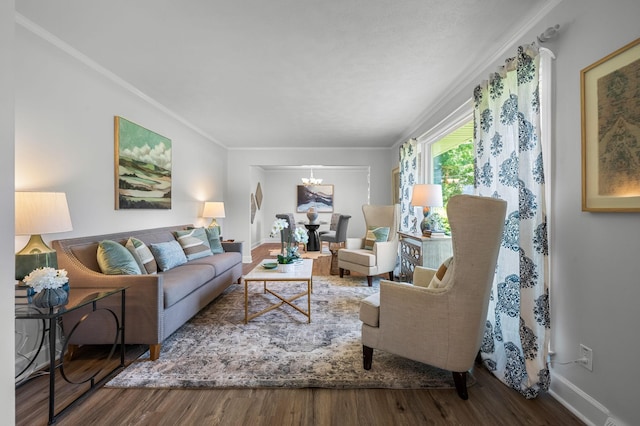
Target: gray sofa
x,y
156,305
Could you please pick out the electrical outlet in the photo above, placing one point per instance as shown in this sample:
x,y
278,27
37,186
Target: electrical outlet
x,y
586,356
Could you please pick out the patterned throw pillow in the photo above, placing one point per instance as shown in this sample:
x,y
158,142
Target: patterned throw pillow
x,y
443,275
142,255
194,242
376,234
213,234
168,255
114,259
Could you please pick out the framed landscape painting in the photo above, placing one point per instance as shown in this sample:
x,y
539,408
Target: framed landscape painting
x,y
318,196
611,132
142,167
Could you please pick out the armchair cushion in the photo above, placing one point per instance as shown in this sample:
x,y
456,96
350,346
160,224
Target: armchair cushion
x,y
359,256
376,234
114,259
443,275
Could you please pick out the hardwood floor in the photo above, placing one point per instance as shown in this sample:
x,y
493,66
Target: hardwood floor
x,y
489,403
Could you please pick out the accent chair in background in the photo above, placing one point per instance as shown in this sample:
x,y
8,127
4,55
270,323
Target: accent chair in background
x,y
377,252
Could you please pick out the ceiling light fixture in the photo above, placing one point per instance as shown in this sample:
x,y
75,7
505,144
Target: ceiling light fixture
x,y
311,180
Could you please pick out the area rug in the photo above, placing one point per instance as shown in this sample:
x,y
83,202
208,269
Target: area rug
x,y
279,349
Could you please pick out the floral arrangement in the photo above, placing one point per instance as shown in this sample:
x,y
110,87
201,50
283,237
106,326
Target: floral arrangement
x,y
43,278
290,252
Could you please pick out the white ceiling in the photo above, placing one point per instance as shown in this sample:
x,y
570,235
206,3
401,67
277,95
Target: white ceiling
x,y
285,73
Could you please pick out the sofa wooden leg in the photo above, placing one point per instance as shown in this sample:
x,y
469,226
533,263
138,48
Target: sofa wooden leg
x,y
71,350
341,272
154,351
460,379
369,280
367,357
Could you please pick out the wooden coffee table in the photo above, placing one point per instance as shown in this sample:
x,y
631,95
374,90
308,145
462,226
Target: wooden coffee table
x,y
302,273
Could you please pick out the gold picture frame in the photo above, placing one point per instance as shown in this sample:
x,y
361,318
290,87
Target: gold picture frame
x,y
611,132
142,167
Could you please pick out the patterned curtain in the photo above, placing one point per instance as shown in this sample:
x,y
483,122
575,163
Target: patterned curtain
x,y
409,158
509,165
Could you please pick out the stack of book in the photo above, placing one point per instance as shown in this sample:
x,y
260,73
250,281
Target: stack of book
x,y
433,234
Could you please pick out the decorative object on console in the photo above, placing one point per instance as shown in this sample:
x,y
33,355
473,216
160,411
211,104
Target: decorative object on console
x,y
214,210
142,167
427,195
48,287
312,215
39,213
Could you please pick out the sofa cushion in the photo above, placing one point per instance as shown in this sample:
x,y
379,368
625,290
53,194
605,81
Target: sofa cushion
x,y
370,310
221,262
179,283
142,255
115,259
168,255
213,234
194,242
376,234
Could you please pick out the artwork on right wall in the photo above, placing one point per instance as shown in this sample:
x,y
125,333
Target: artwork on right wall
x,y
611,132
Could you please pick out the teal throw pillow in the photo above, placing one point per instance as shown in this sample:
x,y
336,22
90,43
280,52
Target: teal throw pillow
x,y
194,242
142,255
168,255
213,234
114,259
376,234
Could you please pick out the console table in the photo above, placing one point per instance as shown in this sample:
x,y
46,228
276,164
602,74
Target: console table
x,y
51,318
416,250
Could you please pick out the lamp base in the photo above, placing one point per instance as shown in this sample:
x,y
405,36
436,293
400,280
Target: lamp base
x,y
36,254
26,263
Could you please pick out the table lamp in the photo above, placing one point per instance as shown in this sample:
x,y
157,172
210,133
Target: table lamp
x,y
426,195
39,213
214,210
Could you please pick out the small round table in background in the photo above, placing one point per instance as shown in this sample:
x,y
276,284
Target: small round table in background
x,y
314,240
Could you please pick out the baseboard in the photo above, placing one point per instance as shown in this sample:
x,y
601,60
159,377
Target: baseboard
x,y
582,405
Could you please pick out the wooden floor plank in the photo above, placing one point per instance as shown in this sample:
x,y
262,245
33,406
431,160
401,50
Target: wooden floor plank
x,y
490,402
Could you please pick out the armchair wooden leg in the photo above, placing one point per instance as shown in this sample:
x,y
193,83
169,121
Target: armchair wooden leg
x,y
341,272
154,351
390,275
71,350
460,379
367,357
369,280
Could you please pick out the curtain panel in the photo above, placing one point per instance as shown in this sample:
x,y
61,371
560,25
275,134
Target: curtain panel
x,y
409,169
509,165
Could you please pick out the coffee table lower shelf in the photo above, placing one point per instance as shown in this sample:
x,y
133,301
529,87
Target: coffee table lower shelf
x,y
301,273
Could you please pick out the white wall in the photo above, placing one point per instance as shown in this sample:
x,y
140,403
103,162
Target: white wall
x,y
242,182
595,275
7,391
64,113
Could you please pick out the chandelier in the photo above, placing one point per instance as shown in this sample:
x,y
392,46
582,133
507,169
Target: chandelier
x,y
311,180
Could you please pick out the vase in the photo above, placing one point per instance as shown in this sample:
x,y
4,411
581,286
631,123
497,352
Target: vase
x,y
50,297
312,215
285,267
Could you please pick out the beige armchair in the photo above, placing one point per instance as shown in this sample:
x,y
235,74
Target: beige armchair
x,y
382,255
440,318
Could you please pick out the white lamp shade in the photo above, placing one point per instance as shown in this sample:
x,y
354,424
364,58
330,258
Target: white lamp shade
x,y
41,213
213,209
427,195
